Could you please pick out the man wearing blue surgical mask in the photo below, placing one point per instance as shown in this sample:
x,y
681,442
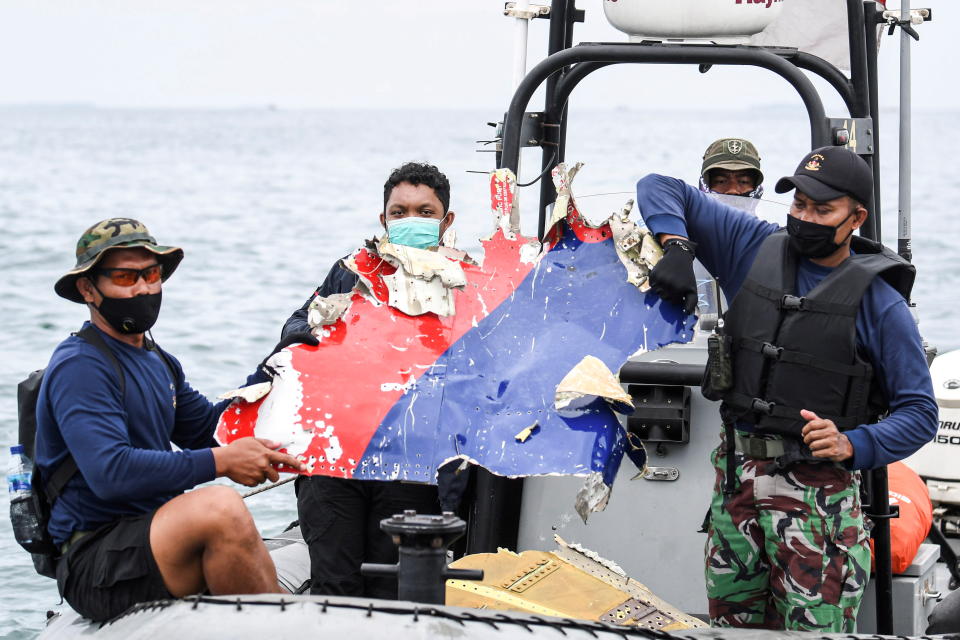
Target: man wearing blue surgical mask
x,y
340,518
416,202
415,213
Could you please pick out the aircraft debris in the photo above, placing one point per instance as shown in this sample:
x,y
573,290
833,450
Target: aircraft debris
x,y
452,359
323,311
585,383
423,281
251,393
527,432
637,249
569,582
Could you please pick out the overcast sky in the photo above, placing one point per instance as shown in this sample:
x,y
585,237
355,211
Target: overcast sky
x,y
354,53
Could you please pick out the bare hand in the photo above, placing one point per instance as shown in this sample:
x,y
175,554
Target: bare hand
x,y
250,461
824,439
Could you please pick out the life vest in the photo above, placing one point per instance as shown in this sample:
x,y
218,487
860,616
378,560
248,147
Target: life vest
x,y
790,353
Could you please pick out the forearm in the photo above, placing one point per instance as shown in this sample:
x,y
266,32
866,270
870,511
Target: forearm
x,y
896,437
125,473
900,367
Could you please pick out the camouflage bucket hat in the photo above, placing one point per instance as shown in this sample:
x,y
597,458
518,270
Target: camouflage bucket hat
x,y
734,154
115,233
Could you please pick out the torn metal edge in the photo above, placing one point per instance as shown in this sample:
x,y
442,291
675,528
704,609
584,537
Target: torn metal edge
x,y
504,204
593,496
250,393
592,378
326,310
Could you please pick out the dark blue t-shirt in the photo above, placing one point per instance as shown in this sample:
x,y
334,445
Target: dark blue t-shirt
x,y
121,445
727,243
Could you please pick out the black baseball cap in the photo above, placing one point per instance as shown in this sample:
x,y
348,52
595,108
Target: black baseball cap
x,y
828,173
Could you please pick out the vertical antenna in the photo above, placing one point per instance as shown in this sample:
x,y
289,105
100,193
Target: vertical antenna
x,y
904,195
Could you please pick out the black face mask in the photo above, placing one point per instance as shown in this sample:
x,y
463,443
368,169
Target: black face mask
x,y
812,240
130,315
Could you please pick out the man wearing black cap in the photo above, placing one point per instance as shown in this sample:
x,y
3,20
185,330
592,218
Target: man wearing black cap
x,y
817,345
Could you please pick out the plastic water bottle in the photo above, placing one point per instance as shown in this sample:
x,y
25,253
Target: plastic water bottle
x,y
19,470
26,528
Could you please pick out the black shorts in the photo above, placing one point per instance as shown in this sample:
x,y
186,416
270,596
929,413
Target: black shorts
x,y
106,572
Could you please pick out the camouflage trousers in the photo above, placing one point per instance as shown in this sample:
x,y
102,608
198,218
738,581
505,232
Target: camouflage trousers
x,y
787,550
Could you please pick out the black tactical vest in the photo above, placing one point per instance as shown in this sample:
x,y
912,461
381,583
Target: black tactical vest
x,y
791,353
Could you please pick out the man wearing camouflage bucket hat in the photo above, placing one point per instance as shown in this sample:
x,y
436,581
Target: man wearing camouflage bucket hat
x,y
817,345
731,166
126,315
109,406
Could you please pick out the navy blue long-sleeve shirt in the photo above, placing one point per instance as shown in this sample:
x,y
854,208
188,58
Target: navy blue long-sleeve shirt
x,y
121,444
727,243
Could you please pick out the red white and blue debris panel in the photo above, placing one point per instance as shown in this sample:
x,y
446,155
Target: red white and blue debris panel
x,y
433,357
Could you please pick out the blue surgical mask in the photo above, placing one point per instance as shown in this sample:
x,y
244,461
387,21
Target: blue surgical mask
x,y
419,233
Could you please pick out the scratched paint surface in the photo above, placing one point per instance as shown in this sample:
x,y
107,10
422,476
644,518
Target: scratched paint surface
x,y
386,395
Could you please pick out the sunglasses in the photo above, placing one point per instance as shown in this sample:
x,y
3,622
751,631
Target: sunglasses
x,y
128,277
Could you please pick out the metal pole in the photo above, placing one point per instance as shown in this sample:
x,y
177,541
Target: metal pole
x,y
860,78
903,220
561,33
880,513
858,57
520,29
870,31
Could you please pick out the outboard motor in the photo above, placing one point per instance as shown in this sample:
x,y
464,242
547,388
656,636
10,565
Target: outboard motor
x,y
936,462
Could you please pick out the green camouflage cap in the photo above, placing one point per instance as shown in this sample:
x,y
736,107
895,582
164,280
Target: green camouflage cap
x,y
734,154
115,233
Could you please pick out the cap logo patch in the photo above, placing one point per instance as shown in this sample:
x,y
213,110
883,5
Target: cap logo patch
x,y
813,164
734,146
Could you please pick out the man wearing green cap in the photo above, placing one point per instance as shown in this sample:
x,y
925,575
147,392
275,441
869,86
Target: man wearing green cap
x,y
817,346
110,404
731,166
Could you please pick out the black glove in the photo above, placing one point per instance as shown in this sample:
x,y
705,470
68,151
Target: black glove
x,y
672,278
303,337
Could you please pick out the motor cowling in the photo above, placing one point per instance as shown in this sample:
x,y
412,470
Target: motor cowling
x,y
937,460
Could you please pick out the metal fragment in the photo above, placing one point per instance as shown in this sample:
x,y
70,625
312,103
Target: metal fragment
x,y
424,280
637,249
589,380
324,311
569,582
592,496
527,432
251,393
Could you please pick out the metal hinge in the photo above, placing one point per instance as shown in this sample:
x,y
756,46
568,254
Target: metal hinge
x,y
668,474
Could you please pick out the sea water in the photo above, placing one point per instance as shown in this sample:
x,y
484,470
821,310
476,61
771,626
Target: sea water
x,y
263,201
